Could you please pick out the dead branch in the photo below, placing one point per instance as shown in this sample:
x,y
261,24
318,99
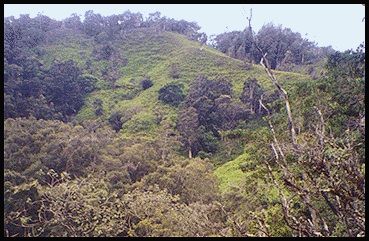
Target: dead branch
x,y
264,62
249,19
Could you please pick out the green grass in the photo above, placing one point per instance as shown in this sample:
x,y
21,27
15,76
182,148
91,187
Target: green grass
x,y
151,54
230,174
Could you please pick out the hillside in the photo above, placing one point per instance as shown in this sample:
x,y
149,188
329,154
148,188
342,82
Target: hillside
x,y
151,54
119,126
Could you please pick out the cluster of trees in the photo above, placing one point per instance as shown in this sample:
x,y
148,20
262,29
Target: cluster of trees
x,y
55,93
285,48
64,179
25,32
33,31
347,71
30,88
58,91
116,26
210,109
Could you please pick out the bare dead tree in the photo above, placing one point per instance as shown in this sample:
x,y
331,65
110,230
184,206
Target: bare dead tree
x,y
337,182
333,179
289,180
264,62
249,19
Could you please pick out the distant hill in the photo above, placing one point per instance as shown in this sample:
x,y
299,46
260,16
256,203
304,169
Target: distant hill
x,y
149,53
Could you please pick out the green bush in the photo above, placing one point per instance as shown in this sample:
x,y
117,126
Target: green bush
x,y
146,83
115,121
171,94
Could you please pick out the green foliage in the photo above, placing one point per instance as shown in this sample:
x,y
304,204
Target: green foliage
x,y
209,143
208,109
192,180
188,125
33,145
346,74
160,214
104,53
230,174
115,121
98,107
141,123
286,50
85,207
251,94
347,65
171,94
80,178
146,83
66,87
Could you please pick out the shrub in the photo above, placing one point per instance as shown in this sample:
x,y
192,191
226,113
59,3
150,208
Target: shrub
x,y
171,94
99,111
115,121
66,87
103,52
98,107
146,83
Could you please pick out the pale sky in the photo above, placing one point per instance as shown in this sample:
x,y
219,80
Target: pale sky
x,y
338,25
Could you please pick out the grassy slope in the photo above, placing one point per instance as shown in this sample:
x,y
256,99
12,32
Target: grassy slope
x,y
230,174
151,54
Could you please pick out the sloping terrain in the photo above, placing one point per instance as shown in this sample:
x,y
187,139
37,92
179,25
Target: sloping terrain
x,y
149,53
147,133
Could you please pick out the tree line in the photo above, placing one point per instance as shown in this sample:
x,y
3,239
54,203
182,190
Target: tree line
x,y
286,49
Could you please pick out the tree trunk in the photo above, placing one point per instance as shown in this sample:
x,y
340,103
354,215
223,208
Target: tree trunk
x,y
284,94
302,59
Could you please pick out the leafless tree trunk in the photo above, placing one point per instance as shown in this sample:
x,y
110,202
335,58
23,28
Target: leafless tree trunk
x,y
189,153
289,181
264,62
283,92
334,177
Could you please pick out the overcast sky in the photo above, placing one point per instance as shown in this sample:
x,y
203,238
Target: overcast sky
x,y
338,25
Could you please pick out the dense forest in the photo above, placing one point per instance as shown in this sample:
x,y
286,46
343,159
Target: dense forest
x,y
131,126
